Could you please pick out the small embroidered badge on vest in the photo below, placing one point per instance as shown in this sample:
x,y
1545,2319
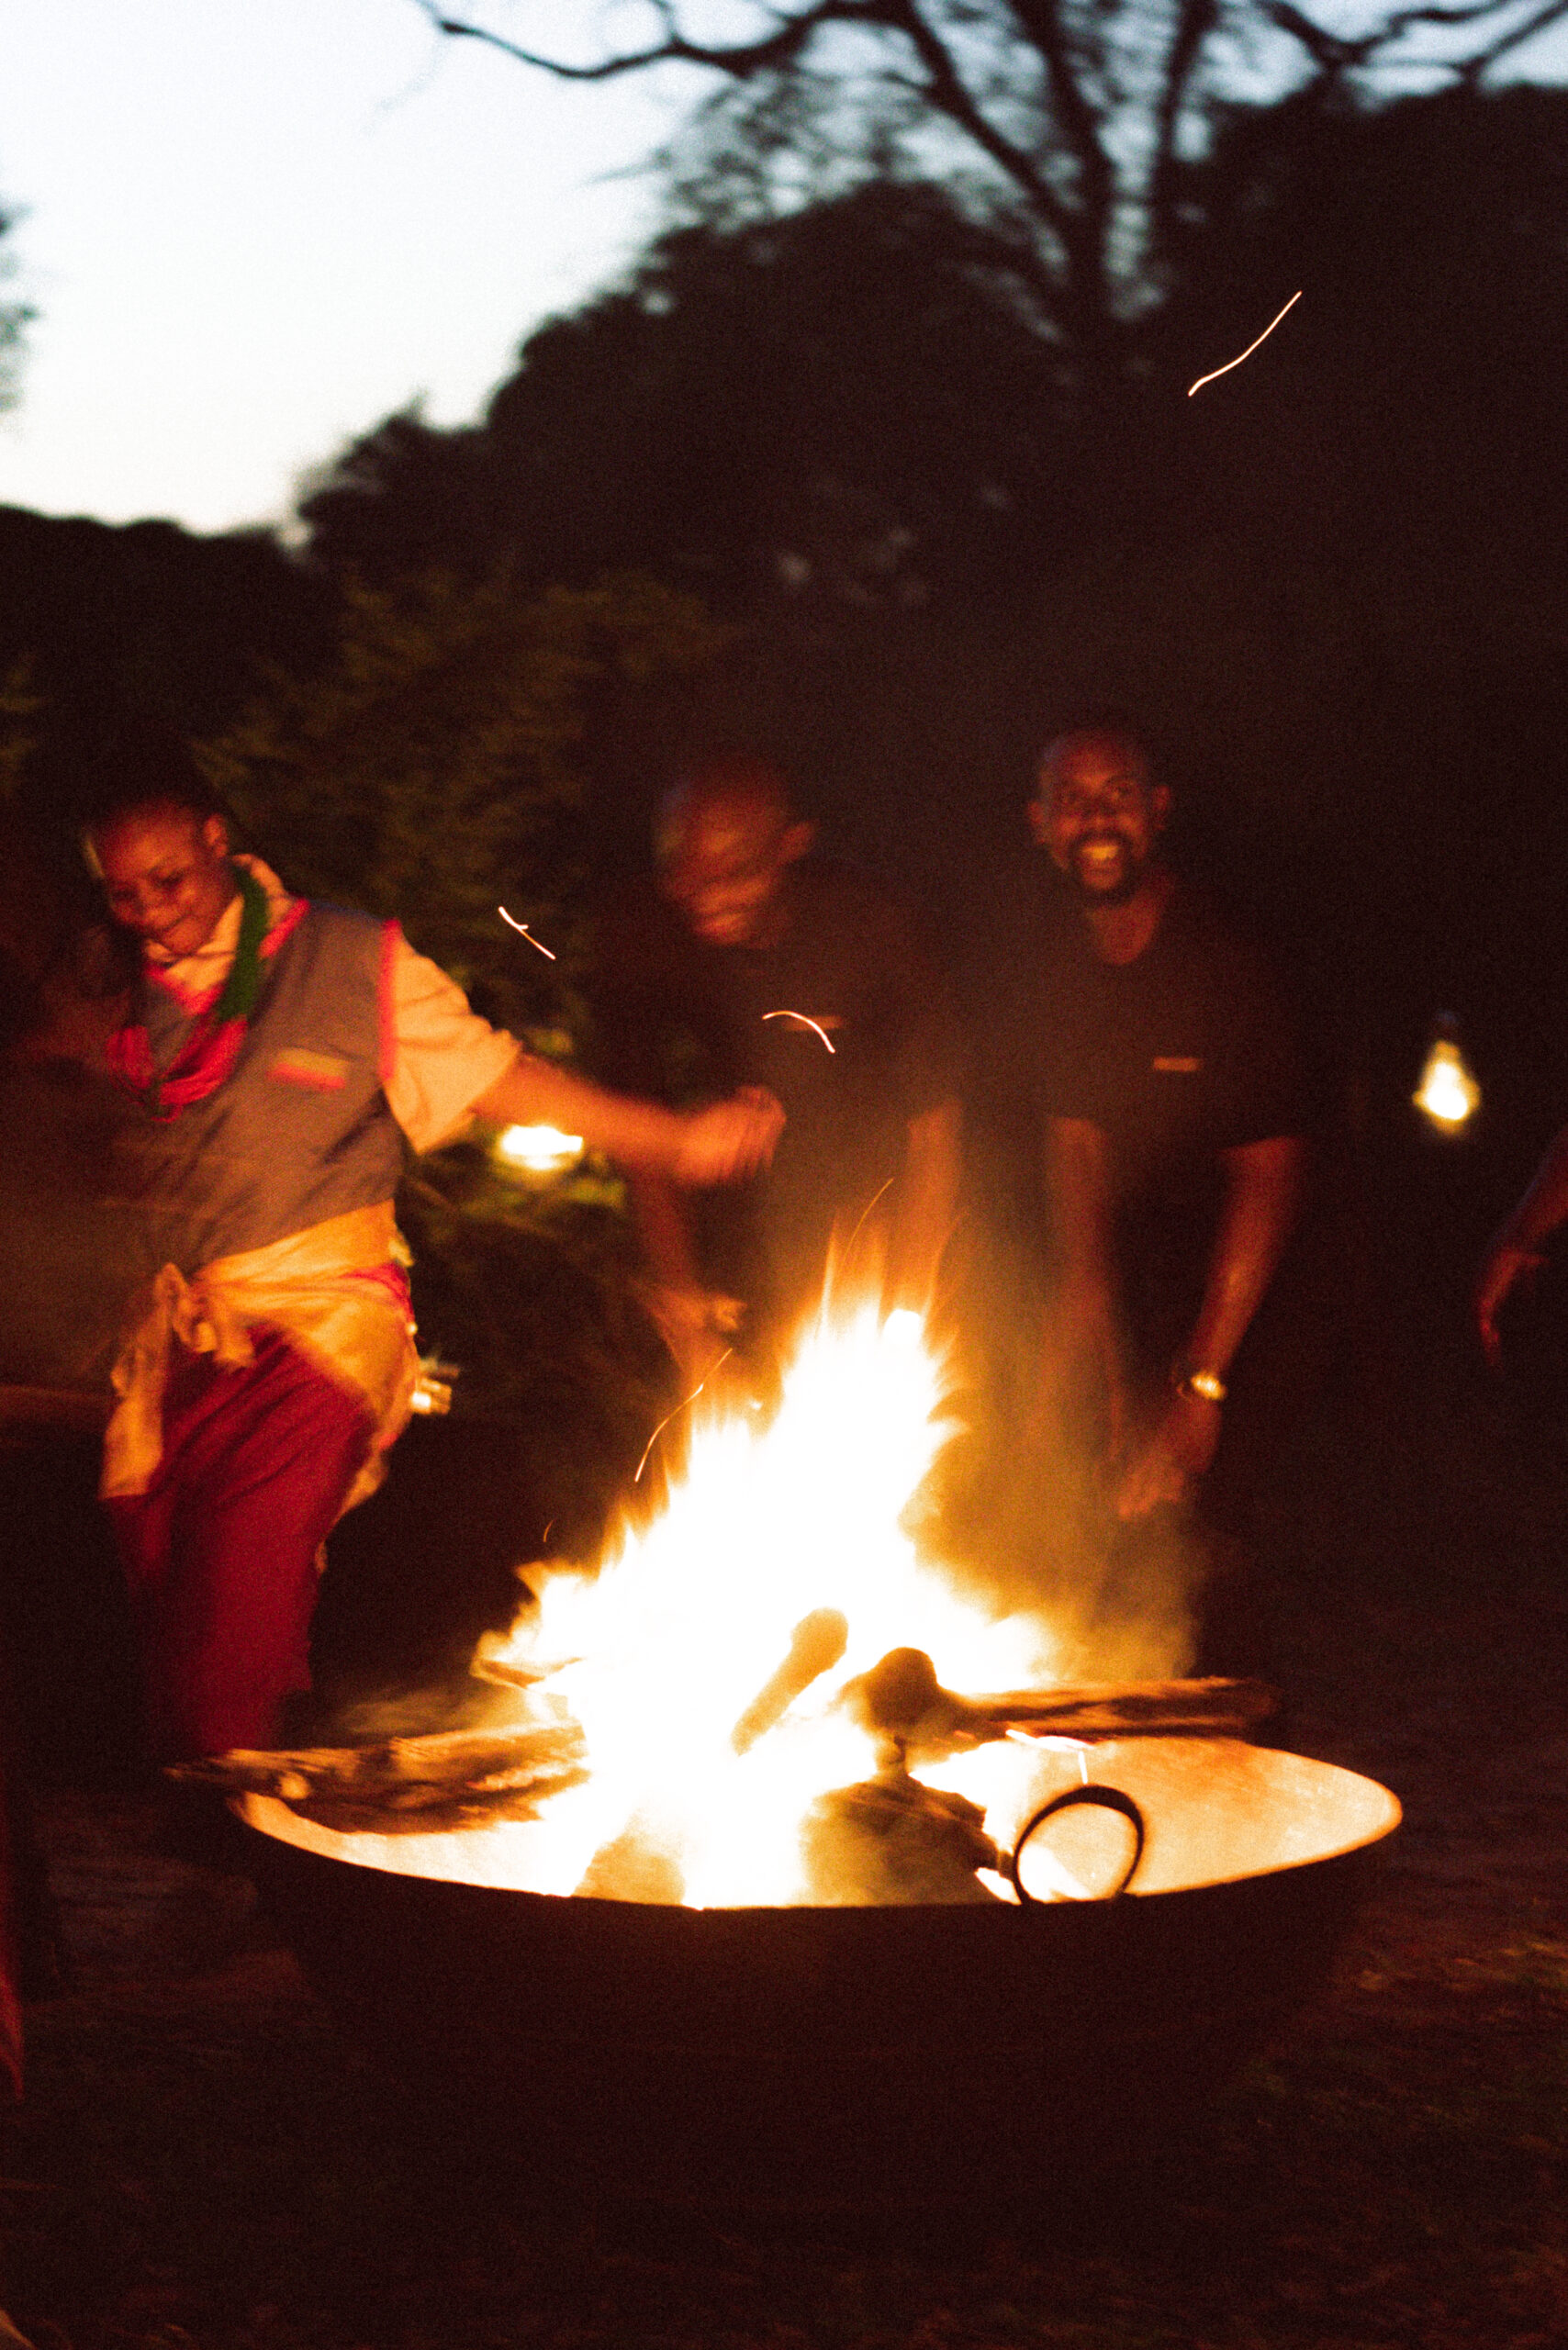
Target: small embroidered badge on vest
x,y
1176,1064
320,1072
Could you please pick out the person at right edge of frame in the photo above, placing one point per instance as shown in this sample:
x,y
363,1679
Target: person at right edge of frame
x,y
1516,1250
1171,1106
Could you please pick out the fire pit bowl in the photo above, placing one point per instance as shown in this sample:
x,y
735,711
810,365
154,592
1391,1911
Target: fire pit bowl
x,y
844,2057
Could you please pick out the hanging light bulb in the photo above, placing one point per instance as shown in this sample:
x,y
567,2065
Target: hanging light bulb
x,y
1447,1095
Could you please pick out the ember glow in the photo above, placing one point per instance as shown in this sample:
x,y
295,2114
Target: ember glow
x,y
681,1406
540,1150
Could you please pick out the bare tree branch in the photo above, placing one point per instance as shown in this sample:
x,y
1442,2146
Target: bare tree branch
x,y
1197,20
1475,68
1088,242
1079,106
946,92
1337,54
740,59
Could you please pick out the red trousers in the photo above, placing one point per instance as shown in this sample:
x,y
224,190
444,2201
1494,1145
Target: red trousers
x,y
219,1553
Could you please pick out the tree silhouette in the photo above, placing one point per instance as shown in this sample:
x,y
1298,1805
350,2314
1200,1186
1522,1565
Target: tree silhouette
x,y
847,408
852,409
1333,580
1069,121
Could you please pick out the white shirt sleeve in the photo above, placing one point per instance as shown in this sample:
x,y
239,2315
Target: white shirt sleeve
x,y
443,1056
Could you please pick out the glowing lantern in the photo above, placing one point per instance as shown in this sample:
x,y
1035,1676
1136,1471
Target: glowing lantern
x,y
1447,1095
539,1150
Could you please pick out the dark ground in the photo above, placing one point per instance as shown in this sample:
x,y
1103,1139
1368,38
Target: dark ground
x,y
202,2162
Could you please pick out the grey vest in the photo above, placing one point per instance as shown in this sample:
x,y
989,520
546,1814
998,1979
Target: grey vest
x,y
299,1131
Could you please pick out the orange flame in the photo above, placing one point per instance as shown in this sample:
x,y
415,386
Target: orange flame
x,y
664,1649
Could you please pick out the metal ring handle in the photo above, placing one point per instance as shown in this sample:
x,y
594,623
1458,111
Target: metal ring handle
x,y
1107,1799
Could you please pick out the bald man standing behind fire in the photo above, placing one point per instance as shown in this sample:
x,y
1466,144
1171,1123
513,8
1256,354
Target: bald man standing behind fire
x,y
1166,1080
752,961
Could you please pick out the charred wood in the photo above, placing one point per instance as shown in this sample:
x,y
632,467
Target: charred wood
x,y
816,1644
891,1841
457,1778
904,1705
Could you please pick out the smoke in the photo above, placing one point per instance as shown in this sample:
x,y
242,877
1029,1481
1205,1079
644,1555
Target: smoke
x,y
1020,1505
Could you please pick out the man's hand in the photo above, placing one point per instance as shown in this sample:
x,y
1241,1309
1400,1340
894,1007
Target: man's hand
x,y
1505,1263
698,1325
728,1140
1166,1465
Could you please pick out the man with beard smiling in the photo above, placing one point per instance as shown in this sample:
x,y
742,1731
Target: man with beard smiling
x,y
1164,1078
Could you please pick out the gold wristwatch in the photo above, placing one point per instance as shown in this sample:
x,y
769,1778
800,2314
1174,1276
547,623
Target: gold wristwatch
x,y
1191,1378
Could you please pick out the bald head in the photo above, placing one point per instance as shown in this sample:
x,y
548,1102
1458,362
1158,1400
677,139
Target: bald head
x,y
726,838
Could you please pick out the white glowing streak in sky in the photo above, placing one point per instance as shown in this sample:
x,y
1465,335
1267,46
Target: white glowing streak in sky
x,y
1251,347
523,931
806,1022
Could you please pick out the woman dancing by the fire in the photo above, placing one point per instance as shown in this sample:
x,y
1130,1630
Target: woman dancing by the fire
x,y
284,1058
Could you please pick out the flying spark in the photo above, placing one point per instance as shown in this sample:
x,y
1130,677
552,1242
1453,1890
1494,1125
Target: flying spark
x,y
867,1210
1251,347
523,931
806,1022
674,1415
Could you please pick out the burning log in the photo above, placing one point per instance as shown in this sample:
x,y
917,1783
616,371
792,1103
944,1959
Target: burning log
x,y
454,1778
904,1705
891,1841
816,1644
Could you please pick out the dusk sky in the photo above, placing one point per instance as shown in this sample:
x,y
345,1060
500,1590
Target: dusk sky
x,y
251,229
254,227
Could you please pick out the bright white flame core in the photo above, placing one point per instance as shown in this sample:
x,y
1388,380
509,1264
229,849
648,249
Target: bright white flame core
x,y
680,1629
543,1150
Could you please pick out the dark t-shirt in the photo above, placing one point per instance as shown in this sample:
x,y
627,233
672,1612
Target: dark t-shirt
x,y
686,1022
1188,1051
1184,1052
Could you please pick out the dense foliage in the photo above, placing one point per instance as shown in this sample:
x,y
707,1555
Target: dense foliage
x,y
432,768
